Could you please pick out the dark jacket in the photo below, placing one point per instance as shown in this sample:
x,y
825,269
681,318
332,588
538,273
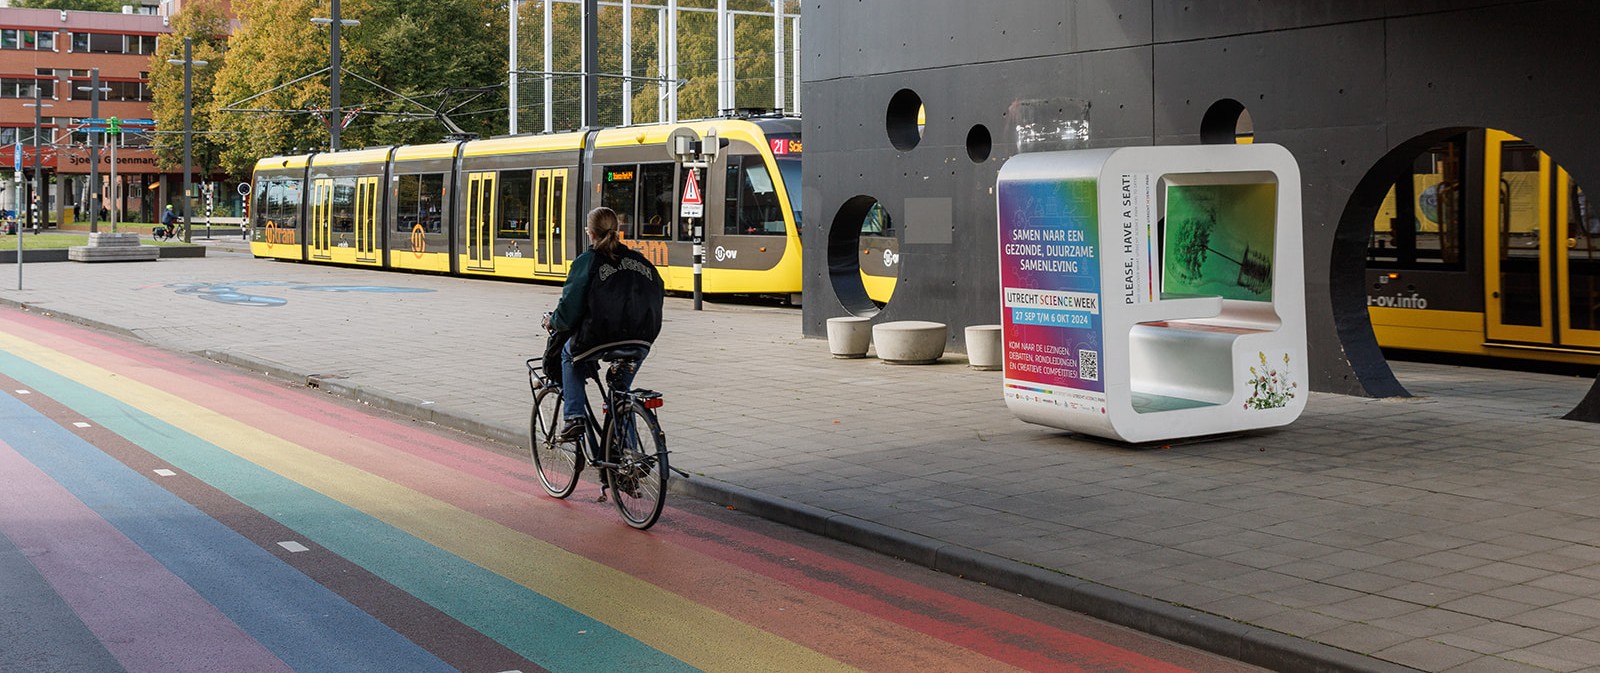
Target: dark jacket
x,y
609,302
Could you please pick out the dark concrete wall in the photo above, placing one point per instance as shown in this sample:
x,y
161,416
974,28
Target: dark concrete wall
x,y
1342,85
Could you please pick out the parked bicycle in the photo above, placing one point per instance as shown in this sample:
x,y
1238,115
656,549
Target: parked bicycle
x,y
626,446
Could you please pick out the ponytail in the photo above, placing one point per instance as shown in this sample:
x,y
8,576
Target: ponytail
x,y
603,229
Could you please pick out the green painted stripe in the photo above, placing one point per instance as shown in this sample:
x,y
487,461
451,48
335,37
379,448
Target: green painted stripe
x,y
528,623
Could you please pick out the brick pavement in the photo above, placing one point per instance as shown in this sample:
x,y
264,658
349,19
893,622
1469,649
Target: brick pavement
x,y
1457,531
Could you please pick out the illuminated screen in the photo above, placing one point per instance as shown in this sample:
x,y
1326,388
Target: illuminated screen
x,y
1217,240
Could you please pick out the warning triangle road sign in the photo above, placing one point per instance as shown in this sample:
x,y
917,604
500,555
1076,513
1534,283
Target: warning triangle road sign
x,y
693,204
691,190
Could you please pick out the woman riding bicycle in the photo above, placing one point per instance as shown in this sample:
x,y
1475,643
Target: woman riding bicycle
x,y
612,299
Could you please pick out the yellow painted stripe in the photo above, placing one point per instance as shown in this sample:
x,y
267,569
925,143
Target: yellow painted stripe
x,y
669,622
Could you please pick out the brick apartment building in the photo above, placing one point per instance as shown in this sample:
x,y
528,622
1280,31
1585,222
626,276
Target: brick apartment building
x,y
55,51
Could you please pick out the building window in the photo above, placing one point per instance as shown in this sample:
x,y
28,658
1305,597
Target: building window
x,y
17,87
11,38
113,91
113,43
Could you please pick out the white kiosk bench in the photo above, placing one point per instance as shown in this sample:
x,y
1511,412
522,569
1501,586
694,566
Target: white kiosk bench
x,y
1153,293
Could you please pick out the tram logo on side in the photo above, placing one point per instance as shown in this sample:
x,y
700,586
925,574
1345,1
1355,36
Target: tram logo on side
x,y
419,241
277,234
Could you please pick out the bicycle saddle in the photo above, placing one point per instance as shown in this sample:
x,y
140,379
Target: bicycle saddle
x,y
623,353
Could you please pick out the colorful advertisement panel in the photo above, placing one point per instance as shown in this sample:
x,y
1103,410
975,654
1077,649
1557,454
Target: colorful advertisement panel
x,y
1050,280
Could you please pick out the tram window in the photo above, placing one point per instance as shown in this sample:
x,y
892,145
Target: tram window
x,y
418,202
618,190
1420,223
877,222
655,200
290,195
750,201
790,170
515,188
344,206
283,203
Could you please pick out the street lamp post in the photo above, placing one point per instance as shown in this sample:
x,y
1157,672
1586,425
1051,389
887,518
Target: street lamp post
x,y
94,90
335,116
38,160
188,64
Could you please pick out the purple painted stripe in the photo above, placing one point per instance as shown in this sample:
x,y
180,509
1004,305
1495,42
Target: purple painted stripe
x,y
148,619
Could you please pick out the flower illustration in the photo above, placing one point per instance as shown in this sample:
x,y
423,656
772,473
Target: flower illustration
x,y
1267,385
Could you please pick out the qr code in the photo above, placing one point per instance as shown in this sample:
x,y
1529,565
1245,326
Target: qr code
x,y
1088,365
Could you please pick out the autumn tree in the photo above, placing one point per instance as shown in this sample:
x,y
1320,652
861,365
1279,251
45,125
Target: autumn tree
x,y
403,65
205,24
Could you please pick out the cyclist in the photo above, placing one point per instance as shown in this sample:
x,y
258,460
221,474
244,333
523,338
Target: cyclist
x,y
170,220
612,298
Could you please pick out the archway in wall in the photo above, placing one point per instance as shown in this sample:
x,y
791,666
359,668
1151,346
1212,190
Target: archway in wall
x,y
863,255
1469,246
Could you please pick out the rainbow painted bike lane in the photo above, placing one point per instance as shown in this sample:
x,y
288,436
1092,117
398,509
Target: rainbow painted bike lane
x,y
163,513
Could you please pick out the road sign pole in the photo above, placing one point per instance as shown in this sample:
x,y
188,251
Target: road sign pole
x,y
16,224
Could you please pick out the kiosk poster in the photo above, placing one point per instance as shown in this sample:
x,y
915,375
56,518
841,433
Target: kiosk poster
x,y
1050,279
1218,240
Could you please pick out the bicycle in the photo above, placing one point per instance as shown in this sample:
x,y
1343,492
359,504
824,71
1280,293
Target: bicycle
x,y
626,446
164,233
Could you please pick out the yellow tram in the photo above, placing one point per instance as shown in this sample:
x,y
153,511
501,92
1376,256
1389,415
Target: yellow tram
x,y
513,207
1487,248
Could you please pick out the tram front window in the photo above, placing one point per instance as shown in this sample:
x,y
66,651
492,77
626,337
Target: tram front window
x,y
790,170
751,202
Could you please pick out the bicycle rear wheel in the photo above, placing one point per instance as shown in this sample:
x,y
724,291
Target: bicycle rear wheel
x,y
639,482
558,463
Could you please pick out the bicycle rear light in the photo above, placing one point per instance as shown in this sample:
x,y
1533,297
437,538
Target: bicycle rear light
x,y
654,403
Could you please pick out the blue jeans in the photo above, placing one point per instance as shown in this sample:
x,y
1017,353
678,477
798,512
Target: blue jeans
x,y
574,380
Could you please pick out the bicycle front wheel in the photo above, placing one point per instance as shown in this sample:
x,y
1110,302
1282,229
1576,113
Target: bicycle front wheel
x,y
557,462
639,482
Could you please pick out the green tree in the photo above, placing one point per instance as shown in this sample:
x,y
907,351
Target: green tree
x,y
398,65
269,56
697,63
205,23
72,5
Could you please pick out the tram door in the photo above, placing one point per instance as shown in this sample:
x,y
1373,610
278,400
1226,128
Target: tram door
x,y
1542,250
549,230
367,220
321,219
480,221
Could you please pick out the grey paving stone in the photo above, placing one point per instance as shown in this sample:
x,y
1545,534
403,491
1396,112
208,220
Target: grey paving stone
x,y
1472,496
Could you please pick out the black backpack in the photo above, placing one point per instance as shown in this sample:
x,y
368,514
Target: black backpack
x,y
623,304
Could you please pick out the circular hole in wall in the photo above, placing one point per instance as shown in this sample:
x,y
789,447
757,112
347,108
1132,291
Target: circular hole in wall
x,y
904,119
979,143
1227,122
863,255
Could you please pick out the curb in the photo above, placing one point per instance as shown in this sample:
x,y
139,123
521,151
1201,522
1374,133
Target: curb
x,y
1211,633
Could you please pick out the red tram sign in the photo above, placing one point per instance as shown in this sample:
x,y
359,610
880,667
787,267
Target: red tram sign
x,y
693,204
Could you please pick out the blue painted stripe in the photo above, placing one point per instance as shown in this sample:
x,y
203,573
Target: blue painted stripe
x,y
307,626
42,633
526,622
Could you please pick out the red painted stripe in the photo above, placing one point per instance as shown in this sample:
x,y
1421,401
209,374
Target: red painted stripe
x,y
1002,636
148,618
